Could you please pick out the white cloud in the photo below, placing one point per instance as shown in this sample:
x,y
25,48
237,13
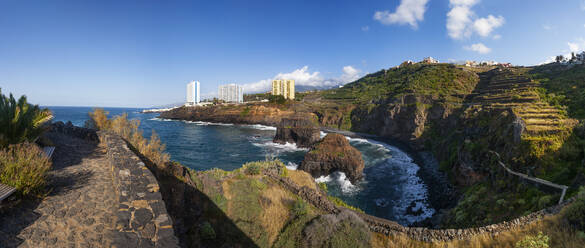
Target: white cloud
x,y
303,77
485,26
497,37
479,48
350,74
458,19
365,28
577,46
547,27
408,12
462,22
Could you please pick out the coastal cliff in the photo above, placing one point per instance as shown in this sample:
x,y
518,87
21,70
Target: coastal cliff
x,y
264,114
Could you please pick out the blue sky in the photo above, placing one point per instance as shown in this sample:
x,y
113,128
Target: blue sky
x,y
143,53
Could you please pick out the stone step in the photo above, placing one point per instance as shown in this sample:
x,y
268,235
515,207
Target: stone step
x,y
523,111
510,80
543,122
513,84
542,129
503,90
539,115
506,100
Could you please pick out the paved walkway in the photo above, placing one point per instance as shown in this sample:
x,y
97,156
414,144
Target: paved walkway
x,y
80,208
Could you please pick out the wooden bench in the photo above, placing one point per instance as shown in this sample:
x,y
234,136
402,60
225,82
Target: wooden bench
x,y
5,191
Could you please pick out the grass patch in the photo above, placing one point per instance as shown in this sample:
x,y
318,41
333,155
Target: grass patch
x,y
341,203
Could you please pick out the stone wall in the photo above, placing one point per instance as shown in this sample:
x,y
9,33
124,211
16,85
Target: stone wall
x,y
388,227
142,215
78,132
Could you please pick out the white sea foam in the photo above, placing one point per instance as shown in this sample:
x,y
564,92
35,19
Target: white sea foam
x,y
341,179
287,146
262,127
159,119
205,123
292,166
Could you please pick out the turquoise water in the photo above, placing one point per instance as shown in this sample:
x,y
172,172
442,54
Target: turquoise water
x,y
390,184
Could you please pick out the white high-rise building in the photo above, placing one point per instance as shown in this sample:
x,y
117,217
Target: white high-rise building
x,y
193,93
231,93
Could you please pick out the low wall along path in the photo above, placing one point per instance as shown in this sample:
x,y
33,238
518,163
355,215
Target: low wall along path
x,y
100,195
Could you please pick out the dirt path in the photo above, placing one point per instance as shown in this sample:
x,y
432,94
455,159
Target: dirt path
x,y
80,208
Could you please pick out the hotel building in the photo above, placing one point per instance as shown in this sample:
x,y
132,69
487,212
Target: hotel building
x,y
284,88
193,93
231,93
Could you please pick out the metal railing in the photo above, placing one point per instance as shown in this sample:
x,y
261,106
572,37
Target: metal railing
x,y
534,179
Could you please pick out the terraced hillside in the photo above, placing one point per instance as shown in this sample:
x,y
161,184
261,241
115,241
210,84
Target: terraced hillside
x,y
511,88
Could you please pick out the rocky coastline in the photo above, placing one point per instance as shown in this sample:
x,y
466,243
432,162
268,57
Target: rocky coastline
x,y
442,194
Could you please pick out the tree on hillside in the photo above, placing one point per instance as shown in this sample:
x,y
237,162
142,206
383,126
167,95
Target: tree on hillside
x,y
560,58
21,121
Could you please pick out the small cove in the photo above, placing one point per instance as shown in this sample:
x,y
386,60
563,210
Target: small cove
x,y
391,188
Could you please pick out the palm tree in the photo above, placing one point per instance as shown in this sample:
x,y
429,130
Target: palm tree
x,y
21,121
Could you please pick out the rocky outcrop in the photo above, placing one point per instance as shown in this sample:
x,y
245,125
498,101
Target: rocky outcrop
x,y
300,131
334,153
79,132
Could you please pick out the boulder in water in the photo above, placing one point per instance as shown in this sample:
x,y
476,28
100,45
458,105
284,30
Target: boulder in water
x,y
300,131
334,153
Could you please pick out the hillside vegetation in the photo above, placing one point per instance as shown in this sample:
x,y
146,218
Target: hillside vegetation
x,y
441,80
461,114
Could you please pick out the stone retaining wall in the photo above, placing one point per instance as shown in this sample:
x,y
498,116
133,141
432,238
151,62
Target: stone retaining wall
x,y
387,227
142,218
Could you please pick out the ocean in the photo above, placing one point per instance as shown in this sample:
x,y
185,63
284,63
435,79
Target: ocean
x,y
391,188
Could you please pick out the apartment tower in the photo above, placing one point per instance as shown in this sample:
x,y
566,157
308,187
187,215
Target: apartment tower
x,y
193,93
284,88
231,93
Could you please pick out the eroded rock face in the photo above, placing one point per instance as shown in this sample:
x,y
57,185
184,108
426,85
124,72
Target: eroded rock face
x,y
300,131
334,153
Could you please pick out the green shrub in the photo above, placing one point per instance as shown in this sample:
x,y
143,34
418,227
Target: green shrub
x,y
299,208
278,99
206,231
24,167
21,121
253,169
283,171
575,213
539,241
323,186
544,201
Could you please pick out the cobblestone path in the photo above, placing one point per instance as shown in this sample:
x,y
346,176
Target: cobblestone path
x,y
79,210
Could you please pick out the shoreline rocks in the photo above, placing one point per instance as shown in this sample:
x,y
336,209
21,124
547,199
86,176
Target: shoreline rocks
x,y
300,131
334,153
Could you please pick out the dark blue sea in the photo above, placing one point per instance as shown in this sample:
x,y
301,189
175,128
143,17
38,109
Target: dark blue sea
x,y
390,187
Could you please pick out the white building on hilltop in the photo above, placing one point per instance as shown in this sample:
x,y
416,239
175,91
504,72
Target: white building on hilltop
x,y
430,60
231,93
193,93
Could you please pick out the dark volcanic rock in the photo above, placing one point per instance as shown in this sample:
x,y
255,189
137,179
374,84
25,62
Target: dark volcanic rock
x,y
334,153
300,131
